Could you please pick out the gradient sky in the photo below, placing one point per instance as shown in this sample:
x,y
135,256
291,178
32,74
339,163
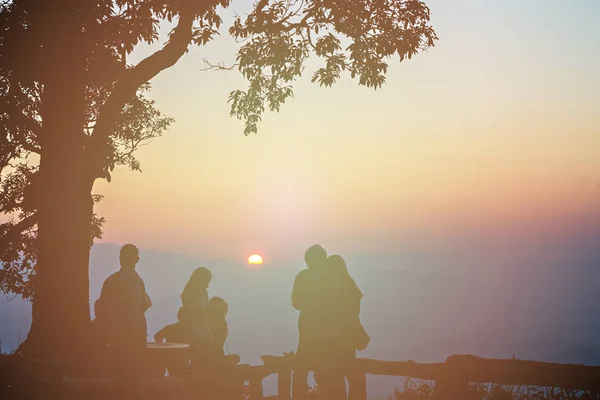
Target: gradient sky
x,y
496,129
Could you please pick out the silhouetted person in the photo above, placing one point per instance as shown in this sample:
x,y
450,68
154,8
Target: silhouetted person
x,y
227,382
123,302
194,317
217,311
174,333
346,313
308,296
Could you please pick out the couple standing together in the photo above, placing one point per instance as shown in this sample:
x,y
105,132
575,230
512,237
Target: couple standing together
x,y
329,324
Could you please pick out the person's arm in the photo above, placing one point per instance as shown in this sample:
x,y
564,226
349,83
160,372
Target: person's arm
x,y
110,314
131,300
355,300
146,301
107,302
104,292
299,291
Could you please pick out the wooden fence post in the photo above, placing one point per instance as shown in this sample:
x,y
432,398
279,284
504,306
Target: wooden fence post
x,y
284,384
454,382
256,388
357,385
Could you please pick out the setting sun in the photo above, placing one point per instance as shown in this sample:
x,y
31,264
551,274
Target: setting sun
x,y
255,259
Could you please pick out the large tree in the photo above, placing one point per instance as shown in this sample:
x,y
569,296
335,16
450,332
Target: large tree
x,y
72,108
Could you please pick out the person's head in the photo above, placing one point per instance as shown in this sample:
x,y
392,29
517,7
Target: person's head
x,y
199,280
337,266
129,256
338,269
315,256
217,307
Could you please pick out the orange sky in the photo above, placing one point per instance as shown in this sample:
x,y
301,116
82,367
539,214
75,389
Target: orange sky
x,y
498,126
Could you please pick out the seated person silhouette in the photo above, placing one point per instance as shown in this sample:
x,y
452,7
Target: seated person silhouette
x,y
226,381
174,333
217,311
124,302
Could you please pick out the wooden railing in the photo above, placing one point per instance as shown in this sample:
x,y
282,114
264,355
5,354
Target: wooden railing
x,y
452,377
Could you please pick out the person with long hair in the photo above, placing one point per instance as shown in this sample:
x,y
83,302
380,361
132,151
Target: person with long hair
x,y
350,294
194,315
346,311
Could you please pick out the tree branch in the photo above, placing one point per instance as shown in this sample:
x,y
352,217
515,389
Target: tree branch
x,y
219,66
127,86
31,148
12,233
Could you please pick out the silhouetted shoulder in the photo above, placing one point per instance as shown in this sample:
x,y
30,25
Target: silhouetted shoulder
x,y
112,277
301,288
303,277
305,273
108,282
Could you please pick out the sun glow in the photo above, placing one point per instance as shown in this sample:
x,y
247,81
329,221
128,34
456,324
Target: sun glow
x,y
255,259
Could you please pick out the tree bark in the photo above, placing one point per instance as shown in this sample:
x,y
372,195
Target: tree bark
x,y
68,168
61,312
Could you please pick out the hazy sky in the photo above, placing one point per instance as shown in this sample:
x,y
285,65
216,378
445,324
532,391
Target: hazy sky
x,y
496,129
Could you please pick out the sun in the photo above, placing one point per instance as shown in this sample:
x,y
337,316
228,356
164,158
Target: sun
x,y
255,259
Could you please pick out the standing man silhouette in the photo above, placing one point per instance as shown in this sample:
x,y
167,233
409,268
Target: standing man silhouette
x,y
124,302
310,286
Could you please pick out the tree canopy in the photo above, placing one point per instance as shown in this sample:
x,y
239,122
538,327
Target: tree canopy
x,y
92,40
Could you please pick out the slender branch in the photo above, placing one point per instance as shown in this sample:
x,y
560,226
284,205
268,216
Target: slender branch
x,y
135,77
282,26
13,232
31,148
218,67
8,156
288,14
123,56
309,38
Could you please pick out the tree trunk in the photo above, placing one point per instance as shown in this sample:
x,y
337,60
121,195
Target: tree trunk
x,y
61,311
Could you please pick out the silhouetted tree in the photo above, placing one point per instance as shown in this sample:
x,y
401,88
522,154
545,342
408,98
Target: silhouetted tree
x,y
72,108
